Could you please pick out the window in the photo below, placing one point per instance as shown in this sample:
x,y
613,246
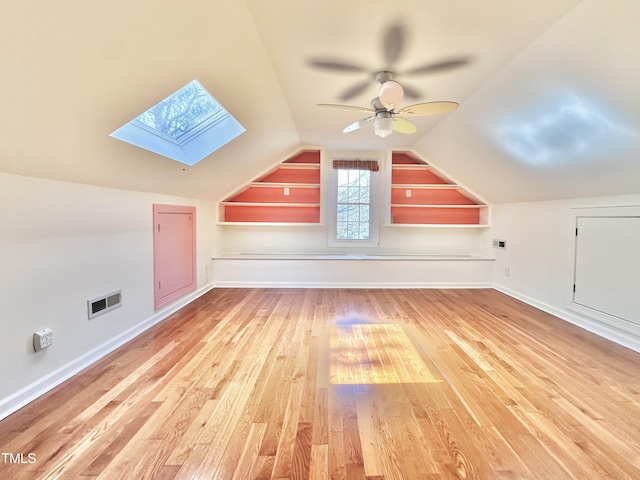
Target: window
x,y
353,221
187,126
353,207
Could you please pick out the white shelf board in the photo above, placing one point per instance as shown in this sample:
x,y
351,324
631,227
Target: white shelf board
x,y
271,224
447,205
269,204
284,184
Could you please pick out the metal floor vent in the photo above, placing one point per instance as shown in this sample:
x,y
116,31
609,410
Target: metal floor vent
x,y
104,303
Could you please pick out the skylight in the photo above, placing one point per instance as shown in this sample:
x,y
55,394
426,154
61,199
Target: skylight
x,y
187,126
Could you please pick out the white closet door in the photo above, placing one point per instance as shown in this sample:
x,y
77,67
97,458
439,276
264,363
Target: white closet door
x,y
607,271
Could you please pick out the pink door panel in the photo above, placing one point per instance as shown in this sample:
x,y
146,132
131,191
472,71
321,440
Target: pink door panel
x,y
174,248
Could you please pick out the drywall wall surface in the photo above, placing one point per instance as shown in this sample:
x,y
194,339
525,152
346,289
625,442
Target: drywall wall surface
x,y
314,239
538,262
62,244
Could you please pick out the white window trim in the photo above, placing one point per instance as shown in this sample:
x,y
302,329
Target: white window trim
x,y
374,208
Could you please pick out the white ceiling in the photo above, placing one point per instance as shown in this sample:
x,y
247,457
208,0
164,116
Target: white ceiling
x,y
71,74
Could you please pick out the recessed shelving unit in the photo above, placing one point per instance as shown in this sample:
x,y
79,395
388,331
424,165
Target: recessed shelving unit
x,y
288,194
421,196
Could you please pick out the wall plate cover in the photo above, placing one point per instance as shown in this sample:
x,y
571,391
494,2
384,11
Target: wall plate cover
x,y
42,339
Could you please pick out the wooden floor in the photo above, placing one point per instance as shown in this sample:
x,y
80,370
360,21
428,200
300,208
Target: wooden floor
x,y
342,384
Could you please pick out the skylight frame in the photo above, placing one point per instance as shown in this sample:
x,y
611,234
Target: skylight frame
x,y
196,142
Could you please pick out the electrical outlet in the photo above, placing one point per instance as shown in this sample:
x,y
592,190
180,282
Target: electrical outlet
x,y
506,271
501,244
42,339
407,192
286,191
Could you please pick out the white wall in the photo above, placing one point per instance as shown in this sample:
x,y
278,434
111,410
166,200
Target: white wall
x,y
393,240
540,253
62,244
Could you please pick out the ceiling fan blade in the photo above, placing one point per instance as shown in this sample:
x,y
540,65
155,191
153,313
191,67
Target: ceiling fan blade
x,y
410,92
402,125
346,107
394,39
355,90
438,66
336,65
429,108
356,125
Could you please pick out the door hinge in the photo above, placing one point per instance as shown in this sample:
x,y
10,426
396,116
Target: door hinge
x,y
574,288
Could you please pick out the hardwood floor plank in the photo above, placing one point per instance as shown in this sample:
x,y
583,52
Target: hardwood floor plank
x,y
249,456
385,442
321,418
134,379
106,455
319,465
307,403
342,384
302,453
288,433
142,461
100,436
191,466
337,461
262,468
370,452
324,358
183,447
239,440
558,444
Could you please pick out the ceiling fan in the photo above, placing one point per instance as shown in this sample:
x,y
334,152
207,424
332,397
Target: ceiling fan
x,y
384,116
393,45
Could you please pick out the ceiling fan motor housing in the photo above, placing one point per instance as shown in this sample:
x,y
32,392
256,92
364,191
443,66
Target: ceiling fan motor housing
x,y
391,92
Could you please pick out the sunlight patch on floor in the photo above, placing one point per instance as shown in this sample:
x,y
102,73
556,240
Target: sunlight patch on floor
x,y
374,354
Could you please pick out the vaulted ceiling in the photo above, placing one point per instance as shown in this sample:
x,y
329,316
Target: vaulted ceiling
x,y
548,98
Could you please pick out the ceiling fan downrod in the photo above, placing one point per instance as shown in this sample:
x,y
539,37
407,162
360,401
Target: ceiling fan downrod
x,y
384,76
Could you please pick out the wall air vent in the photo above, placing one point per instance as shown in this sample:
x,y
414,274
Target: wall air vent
x,y
103,304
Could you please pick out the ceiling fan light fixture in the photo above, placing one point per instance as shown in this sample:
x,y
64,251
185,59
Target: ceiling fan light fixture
x,y
383,124
391,94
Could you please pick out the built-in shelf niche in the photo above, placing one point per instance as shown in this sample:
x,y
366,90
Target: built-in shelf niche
x,y
288,194
420,196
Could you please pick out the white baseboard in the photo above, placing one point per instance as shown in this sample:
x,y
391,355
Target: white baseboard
x,y
394,285
19,399
620,337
